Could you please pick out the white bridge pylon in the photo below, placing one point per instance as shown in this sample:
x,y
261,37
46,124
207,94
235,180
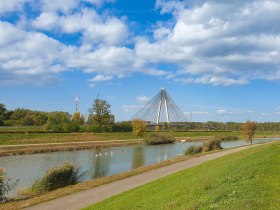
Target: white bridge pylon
x,y
160,109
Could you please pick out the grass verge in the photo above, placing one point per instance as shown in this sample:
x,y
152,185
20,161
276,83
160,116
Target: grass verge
x,y
39,138
245,180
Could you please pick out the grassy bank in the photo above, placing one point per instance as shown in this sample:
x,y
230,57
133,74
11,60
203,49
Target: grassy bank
x,y
243,180
43,148
36,138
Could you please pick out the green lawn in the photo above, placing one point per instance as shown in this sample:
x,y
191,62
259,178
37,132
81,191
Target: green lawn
x,y
245,180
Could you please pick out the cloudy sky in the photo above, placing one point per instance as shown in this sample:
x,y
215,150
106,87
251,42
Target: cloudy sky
x,y
219,60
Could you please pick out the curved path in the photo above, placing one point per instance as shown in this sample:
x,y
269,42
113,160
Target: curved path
x,y
85,198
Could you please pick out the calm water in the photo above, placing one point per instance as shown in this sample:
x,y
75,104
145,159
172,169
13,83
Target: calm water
x,y
98,162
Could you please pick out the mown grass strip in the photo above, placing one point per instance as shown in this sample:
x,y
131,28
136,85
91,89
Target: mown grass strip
x,y
245,180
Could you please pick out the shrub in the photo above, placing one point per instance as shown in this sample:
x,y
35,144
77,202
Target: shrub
x,y
158,138
124,126
2,174
56,177
59,122
102,128
5,185
206,147
212,145
192,150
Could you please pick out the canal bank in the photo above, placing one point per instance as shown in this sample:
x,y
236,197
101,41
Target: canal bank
x,y
85,198
97,182
24,149
99,162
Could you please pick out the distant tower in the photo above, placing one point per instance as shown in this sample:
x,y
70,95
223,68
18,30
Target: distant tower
x,y
161,109
77,103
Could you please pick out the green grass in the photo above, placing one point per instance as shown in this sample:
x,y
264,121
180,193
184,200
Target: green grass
x,y
205,133
222,133
30,136
243,180
21,128
33,138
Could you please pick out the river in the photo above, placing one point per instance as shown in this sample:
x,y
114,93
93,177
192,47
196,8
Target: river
x,y
98,162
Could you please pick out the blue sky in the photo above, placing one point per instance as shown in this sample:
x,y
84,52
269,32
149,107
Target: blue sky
x,y
219,60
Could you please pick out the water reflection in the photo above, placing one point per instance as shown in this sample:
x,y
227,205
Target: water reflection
x,y
101,164
138,158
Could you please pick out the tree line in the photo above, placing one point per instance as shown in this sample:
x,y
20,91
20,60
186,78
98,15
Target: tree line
x,y
100,119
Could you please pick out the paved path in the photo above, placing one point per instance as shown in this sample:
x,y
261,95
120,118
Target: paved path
x,y
85,198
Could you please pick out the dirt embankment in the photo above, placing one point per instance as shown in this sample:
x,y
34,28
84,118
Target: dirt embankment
x,y
55,147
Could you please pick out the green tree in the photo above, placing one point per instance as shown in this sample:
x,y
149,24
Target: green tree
x,y
249,129
59,122
3,111
100,117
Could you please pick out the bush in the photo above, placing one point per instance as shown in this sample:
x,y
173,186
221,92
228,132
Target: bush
x,y
5,185
124,126
212,145
59,122
158,138
102,128
2,178
56,177
206,147
192,150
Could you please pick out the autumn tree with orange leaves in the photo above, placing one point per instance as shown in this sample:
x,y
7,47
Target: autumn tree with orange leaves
x,y
249,129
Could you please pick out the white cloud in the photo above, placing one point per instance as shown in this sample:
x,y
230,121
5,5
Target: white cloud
x,y
46,21
101,78
64,6
99,3
95,28
214,80
25,56
233,112
208,42
217,42
12,5
143,99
